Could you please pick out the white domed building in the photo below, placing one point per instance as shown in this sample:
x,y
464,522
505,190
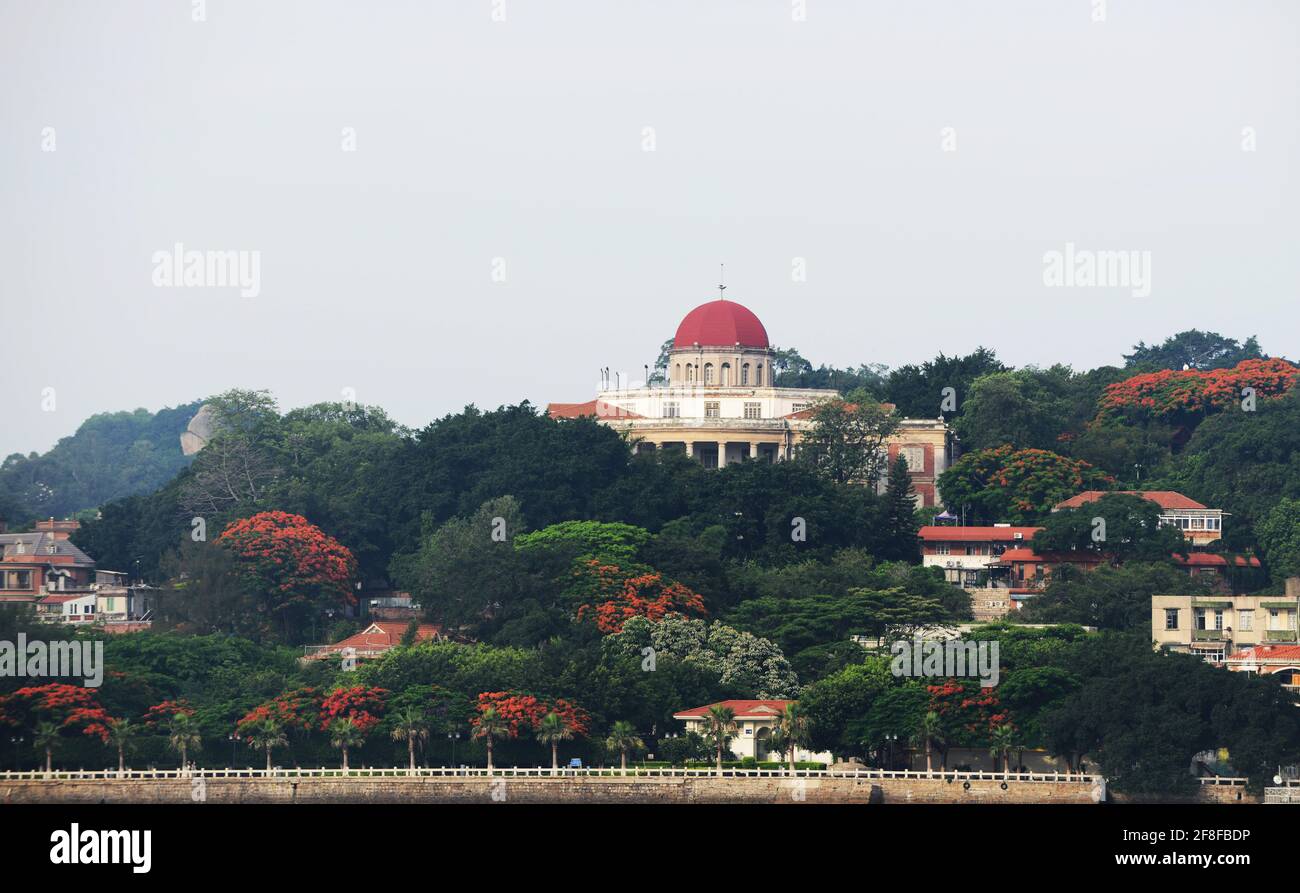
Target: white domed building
x,y
720,404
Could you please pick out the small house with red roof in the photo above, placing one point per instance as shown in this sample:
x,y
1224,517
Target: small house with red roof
x,y
1200,524
375,640
755,721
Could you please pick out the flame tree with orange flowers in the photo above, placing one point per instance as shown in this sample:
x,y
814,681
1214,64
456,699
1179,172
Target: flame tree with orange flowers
x,y
505,714
54,711
291,566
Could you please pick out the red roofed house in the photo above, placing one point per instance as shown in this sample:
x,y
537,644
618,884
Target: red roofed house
x,y
1269,660
965,553
44,562
719,404
373,641
1200,525
755,721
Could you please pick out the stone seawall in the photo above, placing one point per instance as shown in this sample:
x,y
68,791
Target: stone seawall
x,y
538,790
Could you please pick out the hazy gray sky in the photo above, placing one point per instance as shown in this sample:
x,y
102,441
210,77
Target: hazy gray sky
x,y
524,140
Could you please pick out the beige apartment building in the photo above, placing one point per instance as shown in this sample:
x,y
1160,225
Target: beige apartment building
x,y
1217,625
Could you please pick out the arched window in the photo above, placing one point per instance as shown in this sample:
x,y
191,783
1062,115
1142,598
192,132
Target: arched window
x,y
690,372
744,374
758,375
677,373
726,374
708,373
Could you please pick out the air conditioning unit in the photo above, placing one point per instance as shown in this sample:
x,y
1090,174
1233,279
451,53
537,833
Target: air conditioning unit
x,y
1017,535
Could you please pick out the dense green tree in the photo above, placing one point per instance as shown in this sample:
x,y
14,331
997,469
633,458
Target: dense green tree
x,y
899,515
1193,349
1278,533
1020,486
1110,597
1242,462
1027,408
836,707
467,571
1121,526
918,391
111,456
847,439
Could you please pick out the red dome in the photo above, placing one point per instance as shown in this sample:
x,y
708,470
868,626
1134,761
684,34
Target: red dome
x,y
721,324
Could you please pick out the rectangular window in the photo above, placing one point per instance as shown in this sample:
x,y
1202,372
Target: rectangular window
x,y
712,410
942,549
21,580
753,410
914,457
799,407
1218,620
1171,618
1246,620
1199,615
672,410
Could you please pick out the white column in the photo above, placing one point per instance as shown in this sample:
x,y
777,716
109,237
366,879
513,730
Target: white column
x,y
753,449
722,454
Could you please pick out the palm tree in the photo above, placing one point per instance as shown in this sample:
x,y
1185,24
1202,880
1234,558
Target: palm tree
x,y
47,735
552,730
183,733
410,725
792,731
121,734
1003,741
346,734
267,734
491,724
623,737
720,726
928,732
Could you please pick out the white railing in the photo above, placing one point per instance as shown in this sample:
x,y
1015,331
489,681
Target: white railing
x,y
541,773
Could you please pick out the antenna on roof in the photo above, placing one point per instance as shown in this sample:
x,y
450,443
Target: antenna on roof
x,y
722,274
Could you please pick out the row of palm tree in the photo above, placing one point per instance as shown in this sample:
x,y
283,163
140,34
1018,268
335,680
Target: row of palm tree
x,y
550,731
788,735
412,725
929,732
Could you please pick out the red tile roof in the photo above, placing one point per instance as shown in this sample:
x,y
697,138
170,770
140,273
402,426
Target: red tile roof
x,y
382,635
1213,559
598,408
1280,653
938,534
1166,499
811,411
743,709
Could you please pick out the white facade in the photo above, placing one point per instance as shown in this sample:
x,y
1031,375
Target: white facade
x,y
754,728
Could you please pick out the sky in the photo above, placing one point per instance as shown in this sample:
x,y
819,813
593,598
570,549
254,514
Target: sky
x,y
486,201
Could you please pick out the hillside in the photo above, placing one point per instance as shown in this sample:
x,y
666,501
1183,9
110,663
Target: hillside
x,y
112,455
